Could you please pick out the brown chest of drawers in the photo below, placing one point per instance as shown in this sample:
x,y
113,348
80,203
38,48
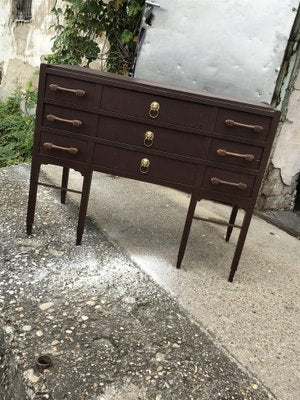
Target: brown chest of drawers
x,y
213,148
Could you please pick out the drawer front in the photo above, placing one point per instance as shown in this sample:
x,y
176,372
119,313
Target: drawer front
x,y
66,119
174,142
155,108
144,166
243,124
233,153
73,91
223,181
63,147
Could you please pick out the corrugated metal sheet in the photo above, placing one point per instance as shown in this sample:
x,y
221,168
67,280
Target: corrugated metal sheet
x,y
232,48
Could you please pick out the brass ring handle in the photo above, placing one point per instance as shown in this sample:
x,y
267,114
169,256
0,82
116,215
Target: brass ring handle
x,y
145,164
224,153
74,122
51,146
231,124
239,185
77,92
154,109
149,137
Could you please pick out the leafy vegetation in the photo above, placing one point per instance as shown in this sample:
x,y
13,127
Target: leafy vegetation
x,y
82,24
16,127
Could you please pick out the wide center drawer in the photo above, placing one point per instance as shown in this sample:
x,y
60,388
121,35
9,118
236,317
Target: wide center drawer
x,y
156,108
142,166
147,136
66,119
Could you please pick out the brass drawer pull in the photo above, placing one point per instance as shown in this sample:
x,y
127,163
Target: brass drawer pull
x,y
74,122
145,164
240,185
231,124
224,153
51,146
149,137
77,92
154,109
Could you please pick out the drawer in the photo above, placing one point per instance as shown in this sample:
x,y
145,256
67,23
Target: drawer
x,y
243,124
133,163
233,153
143,135
66,119
155,108
73,91
63,147
223,181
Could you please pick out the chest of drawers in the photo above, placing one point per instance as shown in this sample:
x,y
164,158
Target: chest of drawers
x,y
213,148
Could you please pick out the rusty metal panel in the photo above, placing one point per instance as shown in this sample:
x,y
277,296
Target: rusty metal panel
x,y
232,48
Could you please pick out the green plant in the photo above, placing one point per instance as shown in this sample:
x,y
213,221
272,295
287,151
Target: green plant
x,y
82,24
16,127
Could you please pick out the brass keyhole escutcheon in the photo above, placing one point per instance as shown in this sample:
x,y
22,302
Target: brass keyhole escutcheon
x,y
149,137
154,109
145,164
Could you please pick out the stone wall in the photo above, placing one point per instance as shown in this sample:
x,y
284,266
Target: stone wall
x,y
23,43
279,188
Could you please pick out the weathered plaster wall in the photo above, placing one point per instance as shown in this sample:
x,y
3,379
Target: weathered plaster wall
x,y
23,44
279,189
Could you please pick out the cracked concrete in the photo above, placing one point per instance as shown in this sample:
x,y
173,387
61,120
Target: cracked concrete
x,y
112,333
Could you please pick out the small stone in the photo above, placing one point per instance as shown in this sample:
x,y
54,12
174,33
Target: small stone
x,y
159,368
254,386
19,309
30,375
69,331
45,306
91,303
158,397
39,333
84,317
55,343
26,328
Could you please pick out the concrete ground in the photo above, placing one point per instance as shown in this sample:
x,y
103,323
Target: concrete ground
x,y
289,221
256,318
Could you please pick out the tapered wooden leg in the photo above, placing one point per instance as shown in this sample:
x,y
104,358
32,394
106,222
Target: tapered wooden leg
x,y
64,184
186,230
83,205
232,218
35,171
240,244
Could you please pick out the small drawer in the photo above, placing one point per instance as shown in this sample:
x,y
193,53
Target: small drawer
x,y
143,166
233,153
73,91
155,108
221,180
66,119
63,147
147,136
243,124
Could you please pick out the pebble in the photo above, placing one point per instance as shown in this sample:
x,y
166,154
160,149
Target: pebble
x,y
254,386
30,375
84,317
19,309
26,328
55,342
91,303
39,333
69,331
45,306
